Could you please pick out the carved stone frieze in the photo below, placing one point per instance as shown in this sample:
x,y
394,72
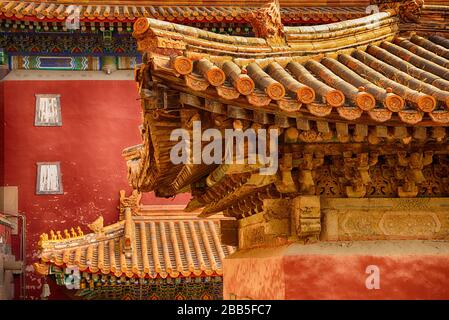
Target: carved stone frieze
x,y
385,219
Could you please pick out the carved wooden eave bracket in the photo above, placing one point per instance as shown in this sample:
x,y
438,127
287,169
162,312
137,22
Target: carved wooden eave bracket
x,y
410,170
356,172
307,171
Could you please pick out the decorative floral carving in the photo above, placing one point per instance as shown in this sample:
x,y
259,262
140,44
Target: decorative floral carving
x,y
258,99
310,136
141,26
327,183
229,93
252,237
380,115
359,226
350,113
320,110
195,83
386,219
405,225
411,116
289,105
382,182
245,85
182,65
306,217
440,116
432,186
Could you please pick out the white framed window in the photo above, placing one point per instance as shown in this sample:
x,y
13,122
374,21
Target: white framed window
x,y
48,110
49,178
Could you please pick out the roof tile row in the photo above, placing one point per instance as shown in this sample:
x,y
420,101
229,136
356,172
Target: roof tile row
x,y
56,10
143,246
406,77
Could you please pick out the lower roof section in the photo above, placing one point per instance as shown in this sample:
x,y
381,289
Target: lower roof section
x,y
144,244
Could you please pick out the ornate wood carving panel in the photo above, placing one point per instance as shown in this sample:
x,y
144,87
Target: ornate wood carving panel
x,y
385,219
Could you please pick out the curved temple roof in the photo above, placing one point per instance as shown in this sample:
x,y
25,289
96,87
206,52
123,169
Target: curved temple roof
x,y
356,69
181,11
161,244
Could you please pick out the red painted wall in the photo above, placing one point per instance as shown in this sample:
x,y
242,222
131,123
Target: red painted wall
x,y
99,119
405,270
344,277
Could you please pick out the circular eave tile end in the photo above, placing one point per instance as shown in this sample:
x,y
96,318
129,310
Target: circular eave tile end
x,y
276,91
245,85
216,76
394,103
427,103
141,26
306,95
365,101
183,65
335,98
